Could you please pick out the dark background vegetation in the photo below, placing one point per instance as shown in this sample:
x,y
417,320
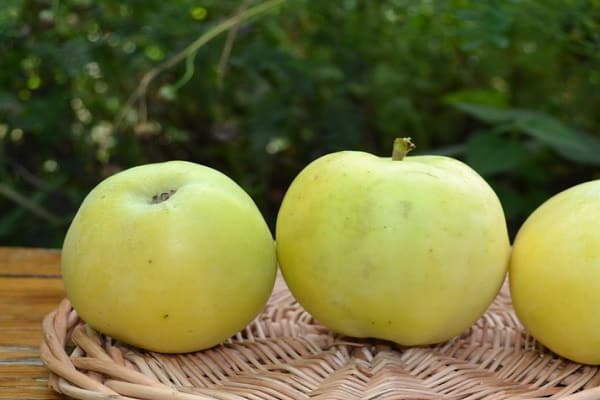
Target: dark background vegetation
x,y
510,87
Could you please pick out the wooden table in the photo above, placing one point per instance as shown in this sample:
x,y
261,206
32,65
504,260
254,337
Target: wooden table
x,y
30,287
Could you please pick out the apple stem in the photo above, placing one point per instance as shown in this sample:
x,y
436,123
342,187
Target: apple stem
x,y
401,147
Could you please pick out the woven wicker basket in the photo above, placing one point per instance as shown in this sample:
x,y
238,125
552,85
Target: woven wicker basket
x,y
285,354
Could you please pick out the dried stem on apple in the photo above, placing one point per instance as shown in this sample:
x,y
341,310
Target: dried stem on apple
x,y
401,147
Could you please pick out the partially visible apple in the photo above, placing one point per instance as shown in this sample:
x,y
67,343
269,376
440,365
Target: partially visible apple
x,y
171,257
409,249
555,273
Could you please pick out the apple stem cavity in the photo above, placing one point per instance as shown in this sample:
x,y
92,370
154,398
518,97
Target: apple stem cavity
x,y
401,147
164,196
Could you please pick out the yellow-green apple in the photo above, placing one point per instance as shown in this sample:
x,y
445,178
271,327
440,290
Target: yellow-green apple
x,y
170,257
408,249
555,273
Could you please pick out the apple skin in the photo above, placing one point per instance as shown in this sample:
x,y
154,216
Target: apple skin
x,y
412,251
554,273
174,276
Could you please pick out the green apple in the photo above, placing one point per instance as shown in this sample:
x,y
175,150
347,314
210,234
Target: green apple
x,y
408,249
555,273
171,257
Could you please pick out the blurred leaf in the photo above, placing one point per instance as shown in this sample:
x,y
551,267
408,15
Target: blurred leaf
x,y
482,97
168,92
72,56
490,154
518,204
9,104
447,151
10,221
571,144
391,115
512,201
490,115
329,73
485,23
9,11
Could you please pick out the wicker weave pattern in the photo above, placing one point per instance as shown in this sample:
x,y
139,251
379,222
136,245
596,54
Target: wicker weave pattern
x,y
285,354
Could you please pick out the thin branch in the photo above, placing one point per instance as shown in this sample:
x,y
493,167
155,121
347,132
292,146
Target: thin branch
x,y
188,73
148,77
31,178
226,53
25,202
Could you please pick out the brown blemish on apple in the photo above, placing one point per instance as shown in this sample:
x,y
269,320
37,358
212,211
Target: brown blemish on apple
x,y
406,208
164,196
423,173
165,316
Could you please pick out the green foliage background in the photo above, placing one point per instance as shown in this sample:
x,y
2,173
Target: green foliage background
x,y
512,87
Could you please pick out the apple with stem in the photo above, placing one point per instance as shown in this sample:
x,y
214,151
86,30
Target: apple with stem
x,y
170,257
411,249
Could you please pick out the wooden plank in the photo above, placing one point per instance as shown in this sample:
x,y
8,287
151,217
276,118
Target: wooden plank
x,y
19,353
14,333
27,311
20,334
25,324
17,338
23,382
18,261
23,304
30,287
32,311
27,299
23,334
21,371
32,393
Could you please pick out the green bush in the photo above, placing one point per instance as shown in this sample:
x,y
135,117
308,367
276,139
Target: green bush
x,y
508,86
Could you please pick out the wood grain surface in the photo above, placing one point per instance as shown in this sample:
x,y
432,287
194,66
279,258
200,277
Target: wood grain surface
x,y
30,287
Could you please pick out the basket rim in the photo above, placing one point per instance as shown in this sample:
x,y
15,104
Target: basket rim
x,y
84,364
